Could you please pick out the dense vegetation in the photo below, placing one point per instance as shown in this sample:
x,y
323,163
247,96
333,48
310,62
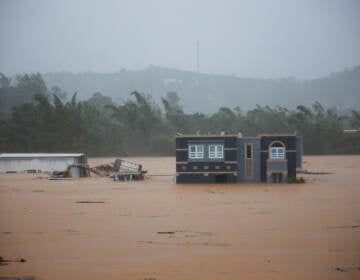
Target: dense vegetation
x,y
49,122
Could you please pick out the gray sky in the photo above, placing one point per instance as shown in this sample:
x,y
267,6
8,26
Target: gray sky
x,y
260,39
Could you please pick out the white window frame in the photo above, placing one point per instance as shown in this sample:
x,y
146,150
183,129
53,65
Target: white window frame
x,y
196,151
216,151
277,152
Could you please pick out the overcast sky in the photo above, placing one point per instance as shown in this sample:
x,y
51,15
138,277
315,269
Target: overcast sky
x,y
260,39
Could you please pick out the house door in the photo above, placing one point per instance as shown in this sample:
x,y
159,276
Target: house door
x,y
276,177
221,178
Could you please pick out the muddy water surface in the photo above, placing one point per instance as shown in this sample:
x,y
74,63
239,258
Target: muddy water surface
x,y
157,230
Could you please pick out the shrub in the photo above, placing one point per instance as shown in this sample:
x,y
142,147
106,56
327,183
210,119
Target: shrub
x,y
294,180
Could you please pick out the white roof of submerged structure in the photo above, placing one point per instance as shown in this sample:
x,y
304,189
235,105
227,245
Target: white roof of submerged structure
x,y
40,155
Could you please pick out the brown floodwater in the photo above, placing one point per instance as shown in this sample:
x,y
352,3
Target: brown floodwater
x,y
155,229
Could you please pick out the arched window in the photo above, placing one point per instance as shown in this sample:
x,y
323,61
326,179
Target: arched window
x,y
277,150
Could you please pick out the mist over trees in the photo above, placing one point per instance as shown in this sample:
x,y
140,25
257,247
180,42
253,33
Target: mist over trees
x,y
54,121
205,93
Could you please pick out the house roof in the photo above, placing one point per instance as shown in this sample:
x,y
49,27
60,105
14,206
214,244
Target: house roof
x,y
40,155
205,135
276,134
233,135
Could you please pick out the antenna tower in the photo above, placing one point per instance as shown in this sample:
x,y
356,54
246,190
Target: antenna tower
x,y
197,57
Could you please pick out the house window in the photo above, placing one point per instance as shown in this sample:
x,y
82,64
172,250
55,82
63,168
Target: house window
x,y
216,151
248,151
249,162
277,151
196,151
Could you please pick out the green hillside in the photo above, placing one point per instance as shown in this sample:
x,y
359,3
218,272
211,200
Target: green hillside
x,y
207,92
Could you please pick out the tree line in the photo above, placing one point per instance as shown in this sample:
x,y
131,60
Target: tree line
x,y
48,121
201,92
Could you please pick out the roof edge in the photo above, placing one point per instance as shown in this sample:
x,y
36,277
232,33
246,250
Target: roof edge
x,y
40,155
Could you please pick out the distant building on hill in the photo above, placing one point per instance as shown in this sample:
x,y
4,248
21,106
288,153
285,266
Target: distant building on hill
x,y
39,162
271,158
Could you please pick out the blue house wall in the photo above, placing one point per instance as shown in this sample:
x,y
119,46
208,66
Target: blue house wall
x,y
236,166
206,170
289,142
299,152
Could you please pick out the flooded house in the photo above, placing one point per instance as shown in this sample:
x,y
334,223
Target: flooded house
x,y
232,158
41,162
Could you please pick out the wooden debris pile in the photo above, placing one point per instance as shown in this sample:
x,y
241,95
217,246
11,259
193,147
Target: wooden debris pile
x,y
120,170
72,171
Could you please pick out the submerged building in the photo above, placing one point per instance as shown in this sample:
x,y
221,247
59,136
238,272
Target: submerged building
x,y
271,158
39,162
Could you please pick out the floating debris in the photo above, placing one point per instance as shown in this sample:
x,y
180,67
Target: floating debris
x,y
304,171
89,201
121,170
72,171
4,261
340,269
335,227
20,278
